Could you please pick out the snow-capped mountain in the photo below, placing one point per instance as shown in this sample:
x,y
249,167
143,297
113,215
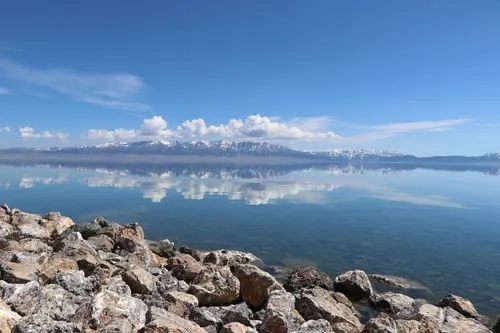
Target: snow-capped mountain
x,y
226,148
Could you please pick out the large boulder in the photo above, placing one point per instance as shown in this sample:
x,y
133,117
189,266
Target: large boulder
x,y
215,286
354,284
56,266
307,277
180,303
229,257
160,320
460,304
255,284
398,305
318,303
57,223
18,272
140,280
184,267
278,315
112,312
21,298
75,282
73,246
29,226
448,320
8,318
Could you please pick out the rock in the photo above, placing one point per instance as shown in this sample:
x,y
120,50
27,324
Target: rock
x,y
278,315
166,283
44,324
411,326
58,223
229,258
56,303
75,247
195,254
460,304
307,277
140,281
215,286
18,272
496,328
116,285
447,320
29,226
399,305
181,303
154,299
236,313
5,229
400,285
21,297
5,208
164,248
318,303
101,243
34,246
237,328
255,284
74,282
203,317
8,318
56,266
163,321
382,324
184,267
114,312
315,326
87,230
354,284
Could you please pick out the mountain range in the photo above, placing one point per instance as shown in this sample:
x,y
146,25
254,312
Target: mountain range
x,y
234,149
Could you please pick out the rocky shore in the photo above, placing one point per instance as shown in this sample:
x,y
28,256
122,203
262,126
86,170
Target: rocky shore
x,y
58,277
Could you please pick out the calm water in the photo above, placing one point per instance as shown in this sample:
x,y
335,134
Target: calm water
x,y
436,227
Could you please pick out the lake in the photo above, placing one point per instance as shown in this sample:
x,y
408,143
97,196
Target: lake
x,y
440,228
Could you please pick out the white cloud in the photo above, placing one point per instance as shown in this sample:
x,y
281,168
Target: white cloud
x,y
253,127
5,91
5,129
30,133
108,90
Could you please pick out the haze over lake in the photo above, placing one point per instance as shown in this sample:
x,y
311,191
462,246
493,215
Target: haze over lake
x,y
436,227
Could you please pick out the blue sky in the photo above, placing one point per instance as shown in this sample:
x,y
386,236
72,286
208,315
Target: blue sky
x,y
417,76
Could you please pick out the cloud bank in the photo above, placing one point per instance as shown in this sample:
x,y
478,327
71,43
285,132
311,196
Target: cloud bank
x,y
255,127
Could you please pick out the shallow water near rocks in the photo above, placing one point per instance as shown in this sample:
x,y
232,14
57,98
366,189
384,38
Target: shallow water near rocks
x,y
439,228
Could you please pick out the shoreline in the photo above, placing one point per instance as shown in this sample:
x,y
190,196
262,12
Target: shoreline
x,y
58,276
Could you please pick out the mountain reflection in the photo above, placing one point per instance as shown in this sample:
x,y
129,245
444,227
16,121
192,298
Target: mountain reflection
x,y
254,185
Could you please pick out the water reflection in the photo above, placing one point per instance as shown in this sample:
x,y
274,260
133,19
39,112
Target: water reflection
x,y
254,185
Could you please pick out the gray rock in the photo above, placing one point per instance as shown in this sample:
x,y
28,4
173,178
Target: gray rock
x,y
163,321
400,285
114,312
73,246
164,248
44,324
382,324
116,285
87,230
255,284
101,243
318,303
5,228
307,277
74,282
278,315
398,305
21,297
140,280
56,303
5,208
204,317
459,304
239,313
354,284
166,283
315,326
215,286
